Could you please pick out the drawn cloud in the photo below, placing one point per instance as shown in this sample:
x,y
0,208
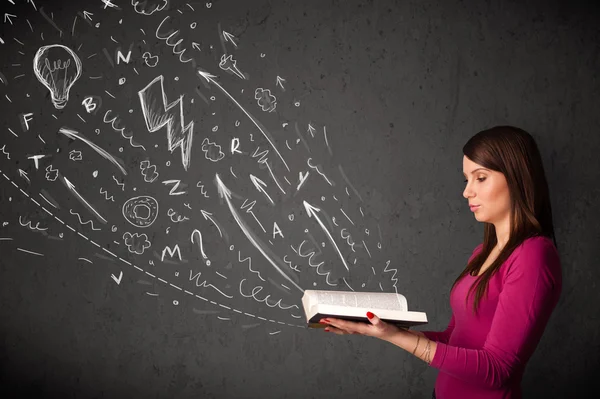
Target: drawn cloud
x,y
212,151
136,243
146,7
150,60
51,174
148,171
266,100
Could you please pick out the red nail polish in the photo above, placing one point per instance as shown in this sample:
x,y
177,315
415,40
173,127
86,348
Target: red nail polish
x,y
327,329
370,315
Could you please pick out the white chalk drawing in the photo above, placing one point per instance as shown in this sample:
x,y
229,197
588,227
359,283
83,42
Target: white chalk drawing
x,y
212,151
174,46
207,216
148,171
113,123
75,155
205,284
136,243
140,211
143,8
30,226
260,186
210,78
129,236
3,149
279,82
23,174
311,211
71,187
175,183
36,160
75,135
273,259
249,259
81,221
228,37
266,101
122,185
150,60
198,233
317,168
30,252
171,252
57,67
158,113
105,193
256,290
202,190
175,217
51,173
117,280
227,63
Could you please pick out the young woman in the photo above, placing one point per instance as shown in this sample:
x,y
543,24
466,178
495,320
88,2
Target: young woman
x,y
502,300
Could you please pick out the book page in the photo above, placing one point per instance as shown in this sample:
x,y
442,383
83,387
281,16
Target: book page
x,y
373,300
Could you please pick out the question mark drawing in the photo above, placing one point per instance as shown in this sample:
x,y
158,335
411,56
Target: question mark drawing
x,y
200,244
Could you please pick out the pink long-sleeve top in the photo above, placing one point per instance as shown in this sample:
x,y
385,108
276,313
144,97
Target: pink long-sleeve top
x,y
485,356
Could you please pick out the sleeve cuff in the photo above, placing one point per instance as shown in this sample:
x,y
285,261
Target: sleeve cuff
x,y
440,355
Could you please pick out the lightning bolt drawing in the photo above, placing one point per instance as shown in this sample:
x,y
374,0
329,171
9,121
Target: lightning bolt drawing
x,y
158,113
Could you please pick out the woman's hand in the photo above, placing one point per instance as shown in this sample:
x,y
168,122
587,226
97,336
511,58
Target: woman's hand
x,y
377,328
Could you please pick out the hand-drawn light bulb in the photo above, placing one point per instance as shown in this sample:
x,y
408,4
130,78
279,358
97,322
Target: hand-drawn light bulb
x,y
57,67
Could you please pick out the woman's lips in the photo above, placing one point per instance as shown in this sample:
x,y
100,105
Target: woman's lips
x,y
474,208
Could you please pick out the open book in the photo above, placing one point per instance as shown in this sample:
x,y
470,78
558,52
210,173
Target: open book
x,y
349,305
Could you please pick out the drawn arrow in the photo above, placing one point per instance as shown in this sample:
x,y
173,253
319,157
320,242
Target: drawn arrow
x,y
312,211
280,81
87,14
7,17
209,78
311,130
269,255
259,184
117,280
32,3
75,135
196,46
229,37
207,215
71,187
24,175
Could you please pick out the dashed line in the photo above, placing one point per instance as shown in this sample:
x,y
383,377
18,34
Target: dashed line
x,y
140,269
107,251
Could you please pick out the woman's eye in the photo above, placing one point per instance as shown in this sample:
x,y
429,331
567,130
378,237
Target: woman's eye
x,y
480,179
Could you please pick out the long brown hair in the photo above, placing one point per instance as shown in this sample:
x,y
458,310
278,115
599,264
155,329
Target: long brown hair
x,y
514,153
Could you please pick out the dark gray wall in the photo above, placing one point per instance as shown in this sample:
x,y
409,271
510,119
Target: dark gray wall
x,y
392,89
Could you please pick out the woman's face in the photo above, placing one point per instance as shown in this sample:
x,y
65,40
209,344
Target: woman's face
x,y
489,190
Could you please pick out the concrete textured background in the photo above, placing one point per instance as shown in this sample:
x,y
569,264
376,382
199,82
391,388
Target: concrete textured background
x,y
399,85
